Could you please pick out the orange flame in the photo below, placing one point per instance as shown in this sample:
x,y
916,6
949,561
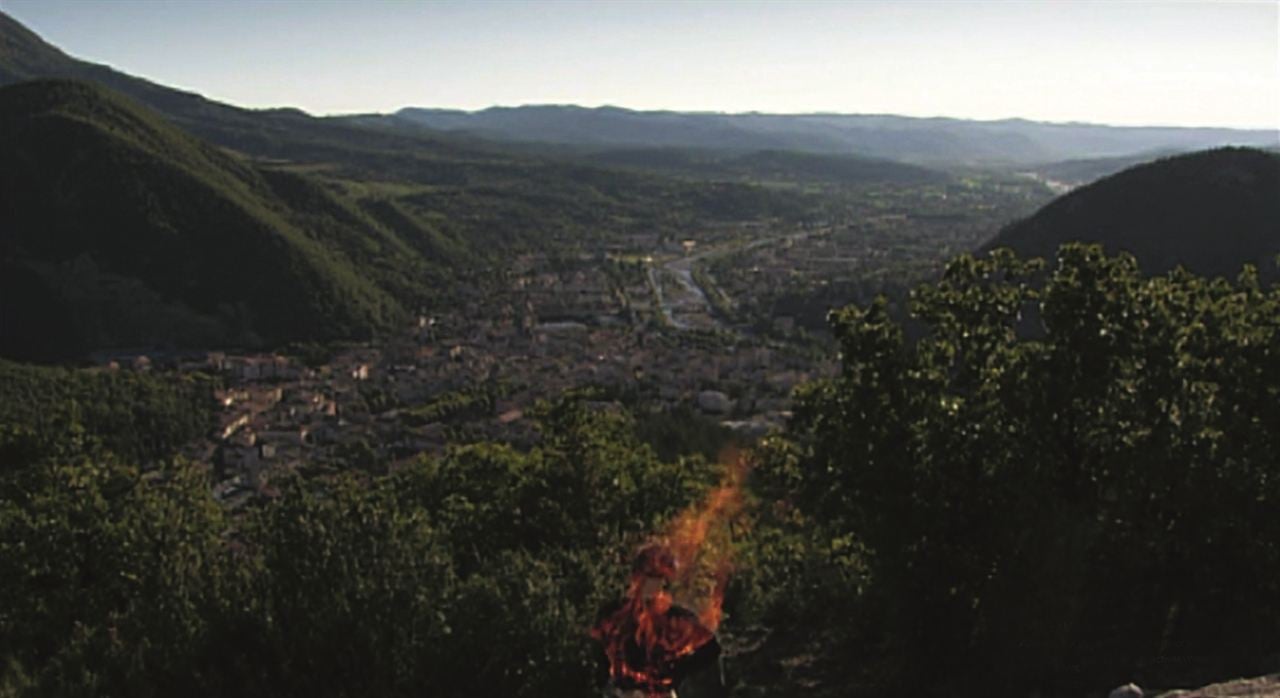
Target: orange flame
x,y
647,639
700,538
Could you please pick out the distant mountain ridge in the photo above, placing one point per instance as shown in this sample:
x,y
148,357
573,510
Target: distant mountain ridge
x,y
925,141
1211,212
285,133
906,139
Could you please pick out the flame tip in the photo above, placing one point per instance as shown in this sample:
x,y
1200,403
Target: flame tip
x,y
698,542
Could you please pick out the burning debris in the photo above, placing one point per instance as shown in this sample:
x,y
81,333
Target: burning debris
x,y
652,642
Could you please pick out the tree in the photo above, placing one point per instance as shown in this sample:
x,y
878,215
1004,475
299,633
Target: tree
x,y
1070,474
108,578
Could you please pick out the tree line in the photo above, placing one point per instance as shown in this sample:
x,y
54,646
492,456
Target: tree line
x,y
1067,479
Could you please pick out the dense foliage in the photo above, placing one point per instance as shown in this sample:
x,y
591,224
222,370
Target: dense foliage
x,y
1070,480
57,412
477,573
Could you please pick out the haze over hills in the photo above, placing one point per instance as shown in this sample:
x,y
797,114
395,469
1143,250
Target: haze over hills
x,y
277,133
1080,171
935,141
387,144
383,404
120,230
392,206
404,148
1210,212
767,165
152,237
290,133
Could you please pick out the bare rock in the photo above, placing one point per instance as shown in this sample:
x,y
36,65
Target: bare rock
x,y
1260,687
1128,690
714,402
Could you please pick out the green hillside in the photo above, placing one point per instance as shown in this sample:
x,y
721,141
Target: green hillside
x,y
60,413
1210,212
121,230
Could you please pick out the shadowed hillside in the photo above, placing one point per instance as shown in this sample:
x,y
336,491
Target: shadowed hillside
x,y
1211,212
120,230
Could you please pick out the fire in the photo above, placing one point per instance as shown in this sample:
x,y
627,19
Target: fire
x,y
651,641
700,538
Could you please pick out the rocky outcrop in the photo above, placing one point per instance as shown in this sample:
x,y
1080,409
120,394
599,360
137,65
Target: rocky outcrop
x,y
1261,687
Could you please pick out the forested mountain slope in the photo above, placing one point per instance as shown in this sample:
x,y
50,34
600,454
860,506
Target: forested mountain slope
x,y
1210,212
119,230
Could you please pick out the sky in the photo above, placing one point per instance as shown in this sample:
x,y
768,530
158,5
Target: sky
x,y
1126,63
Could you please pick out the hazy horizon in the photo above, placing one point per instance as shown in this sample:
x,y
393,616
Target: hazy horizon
x,y
1130,64
757,112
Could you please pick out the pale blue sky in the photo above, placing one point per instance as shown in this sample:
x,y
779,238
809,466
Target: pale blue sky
x,y
1189,63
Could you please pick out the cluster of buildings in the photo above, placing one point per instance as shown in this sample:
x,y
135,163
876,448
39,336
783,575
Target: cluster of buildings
x,y
475,372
